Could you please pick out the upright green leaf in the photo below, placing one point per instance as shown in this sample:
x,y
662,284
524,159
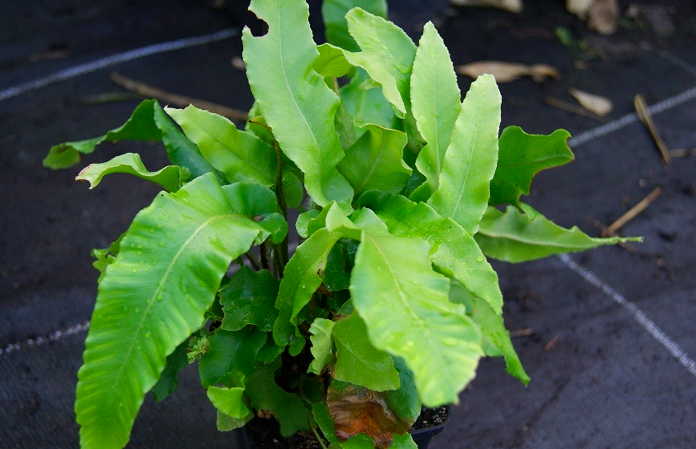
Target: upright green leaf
x,y
454,251
404,401
331,62
322,344
375,161
170,177
265,394
230,357
364,103
144,311
296,102
334,14
436,104
229,401
358,361
148,122
249,298
471,157
386,53
407,311
239,155
521,157
521,235
300,280
492,328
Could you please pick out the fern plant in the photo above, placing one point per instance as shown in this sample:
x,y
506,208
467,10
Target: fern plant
x,y
387,303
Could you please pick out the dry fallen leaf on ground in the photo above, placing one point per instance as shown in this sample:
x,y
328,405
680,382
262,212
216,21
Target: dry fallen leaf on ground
x,y
508,5
238,63
579,7
594,103
508,71
602,15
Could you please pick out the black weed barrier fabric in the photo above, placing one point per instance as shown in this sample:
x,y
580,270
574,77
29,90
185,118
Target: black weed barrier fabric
x,y
599,378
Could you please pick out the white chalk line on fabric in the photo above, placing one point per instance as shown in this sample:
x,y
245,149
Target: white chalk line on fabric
x,y
50,338
98,64
649,325
608,128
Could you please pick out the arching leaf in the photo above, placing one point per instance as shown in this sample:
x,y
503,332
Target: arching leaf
x,y
322,344
521,235
406,308
249,298
238,154
296,102
334,14
148,122
404,401
521,157
230,357
386,53
357,361
229,401
331,62
375,161
436,104
155,294
170,177
471,157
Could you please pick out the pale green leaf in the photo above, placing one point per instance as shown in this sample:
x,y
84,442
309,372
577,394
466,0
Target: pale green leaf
x,y
471,157
287,408
404,401
300,280
331,62
492,327
322,344
148,122
334,15
521,235
358,361
229,401
386,53
230,357
296,102
403,441
454,251
436,104
249,298
521,157
375,161
170,177
239,155
407,311
144,311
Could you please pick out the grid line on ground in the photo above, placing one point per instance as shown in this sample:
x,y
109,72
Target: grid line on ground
x,y
107,61
649,325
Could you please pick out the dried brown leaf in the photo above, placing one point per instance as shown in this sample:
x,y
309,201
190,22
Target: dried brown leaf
x,y
356,410
604,16
508,5
505,72
594,103
579,7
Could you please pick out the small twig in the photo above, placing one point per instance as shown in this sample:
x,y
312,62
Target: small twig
x,y
632,212
565,106
551,344
644,116
108,97
145,90
254,263
319,438
683,152
526,332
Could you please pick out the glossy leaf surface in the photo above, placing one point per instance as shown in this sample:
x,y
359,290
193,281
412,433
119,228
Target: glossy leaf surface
x,y
521,157
249,298
296,102
148,122
170,177
229,401
386,53
230,357
375,161
357,361
406,308
140,319
239,155
519,236
436,104
471,157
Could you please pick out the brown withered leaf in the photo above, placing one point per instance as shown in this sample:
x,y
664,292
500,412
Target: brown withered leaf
x,y
357,410
507,5
579,7
594,103
505,72
602,15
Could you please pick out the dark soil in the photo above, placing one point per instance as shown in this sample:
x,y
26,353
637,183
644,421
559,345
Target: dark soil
x,y
605,382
